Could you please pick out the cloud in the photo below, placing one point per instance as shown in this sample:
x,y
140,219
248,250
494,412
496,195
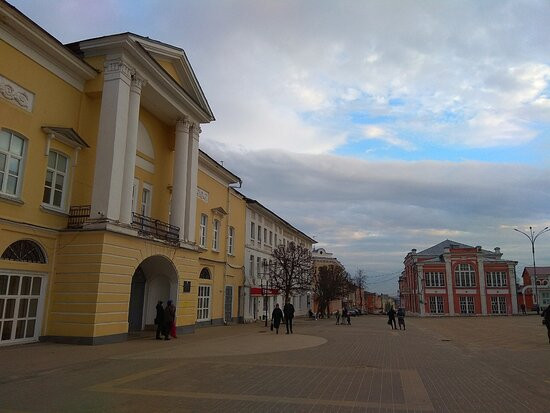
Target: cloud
x,y
379,133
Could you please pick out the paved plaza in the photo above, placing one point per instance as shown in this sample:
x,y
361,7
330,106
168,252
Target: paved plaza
x,y
446,364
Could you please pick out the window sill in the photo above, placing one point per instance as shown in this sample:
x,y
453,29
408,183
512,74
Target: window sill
x,y
50,210
217,251
12,200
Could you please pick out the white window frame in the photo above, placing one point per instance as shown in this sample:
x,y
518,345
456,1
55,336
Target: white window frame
x,y
203,230
465,275
467,304
251,263
434,279
216,235
66,181
39,310
498,305
252,231
259,235
436,304
204,299
9,155
135,192
497,279
230,240
145,207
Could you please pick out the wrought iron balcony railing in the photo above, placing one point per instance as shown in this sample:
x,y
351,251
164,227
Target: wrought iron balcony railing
x,y
80,214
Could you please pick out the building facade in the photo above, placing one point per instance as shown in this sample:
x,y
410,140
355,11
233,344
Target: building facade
x,y
322,258
527,291
103,188
265,230
451,278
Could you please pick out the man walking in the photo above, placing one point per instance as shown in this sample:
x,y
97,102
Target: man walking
x,y
159,319
288,311
391,319
276,317
401,317
546,320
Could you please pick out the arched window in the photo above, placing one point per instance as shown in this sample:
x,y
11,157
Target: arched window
x,y
25,250
205,274
465,275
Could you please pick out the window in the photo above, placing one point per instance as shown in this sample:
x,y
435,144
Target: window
x,y
26,251
205,274
498,305
55,186
496,279
251,266
259,234
545,298
203,305
216,236
270,237
258,264
467,305
11,163
19,307
434,279
230,240
203,227
436,305
252,231
135,189
146,200
265,235
276,240
465,275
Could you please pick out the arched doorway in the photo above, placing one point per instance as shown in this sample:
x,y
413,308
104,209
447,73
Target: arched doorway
x,y
155,279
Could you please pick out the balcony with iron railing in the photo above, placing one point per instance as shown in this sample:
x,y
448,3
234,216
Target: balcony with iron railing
x,y
79,215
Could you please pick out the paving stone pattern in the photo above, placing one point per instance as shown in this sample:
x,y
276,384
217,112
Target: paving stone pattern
x,y
443,365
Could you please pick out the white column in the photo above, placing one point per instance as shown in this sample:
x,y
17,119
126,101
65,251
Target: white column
x,y
513,289
482,289
421,290
130,153
193,169
111,141
449,280
179,179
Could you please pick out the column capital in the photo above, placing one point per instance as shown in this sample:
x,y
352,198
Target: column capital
x,y
183,125
196,130
117,68
137,83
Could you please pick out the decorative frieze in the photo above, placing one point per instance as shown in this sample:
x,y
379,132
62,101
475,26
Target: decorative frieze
x,y
117,67
202,194
16,94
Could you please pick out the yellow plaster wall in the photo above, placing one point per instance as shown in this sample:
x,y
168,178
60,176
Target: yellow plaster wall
x,y
170,69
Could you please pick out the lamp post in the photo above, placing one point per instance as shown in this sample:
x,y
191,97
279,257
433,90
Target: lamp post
x,y
532,238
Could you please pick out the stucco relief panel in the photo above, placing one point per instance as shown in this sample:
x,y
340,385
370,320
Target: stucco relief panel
x,y
17,95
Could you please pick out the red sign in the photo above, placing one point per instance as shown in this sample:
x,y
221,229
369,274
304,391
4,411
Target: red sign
x,y
257,292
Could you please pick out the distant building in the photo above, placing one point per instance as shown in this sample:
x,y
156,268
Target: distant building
x,y
451,278
543,287
322,258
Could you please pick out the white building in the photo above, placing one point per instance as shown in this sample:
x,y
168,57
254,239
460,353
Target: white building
x,y
265,230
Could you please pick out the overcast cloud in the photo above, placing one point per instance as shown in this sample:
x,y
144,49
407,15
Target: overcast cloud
x,y
375,126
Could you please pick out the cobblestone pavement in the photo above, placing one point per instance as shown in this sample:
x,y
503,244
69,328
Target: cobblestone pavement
x,y
447,364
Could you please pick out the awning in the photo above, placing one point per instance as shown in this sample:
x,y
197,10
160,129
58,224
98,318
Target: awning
x,y
257,292
66,135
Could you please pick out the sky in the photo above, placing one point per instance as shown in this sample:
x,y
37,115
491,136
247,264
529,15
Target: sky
x,y
373,126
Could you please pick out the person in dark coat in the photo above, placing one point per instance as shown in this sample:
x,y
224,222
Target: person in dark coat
x,y
401,317
159,320
546,320
288,311
169,319
391,319
277,317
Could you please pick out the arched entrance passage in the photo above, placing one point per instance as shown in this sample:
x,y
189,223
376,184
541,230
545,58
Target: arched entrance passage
x,y
155,279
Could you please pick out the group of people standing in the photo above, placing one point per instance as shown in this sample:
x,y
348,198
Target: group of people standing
x,y
346,316
278,315
166,320
400,318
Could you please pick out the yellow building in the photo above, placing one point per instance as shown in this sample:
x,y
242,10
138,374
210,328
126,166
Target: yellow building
x,y
102,185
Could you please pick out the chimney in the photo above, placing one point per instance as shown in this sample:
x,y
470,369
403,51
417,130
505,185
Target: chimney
x,y
497,250
413,250
478,248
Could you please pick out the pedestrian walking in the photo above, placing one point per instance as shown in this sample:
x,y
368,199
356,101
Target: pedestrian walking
x,y
288,311
401,317
170,319
344,314
348,317
159,320
523,309
337,314
276,317
391,319
546,320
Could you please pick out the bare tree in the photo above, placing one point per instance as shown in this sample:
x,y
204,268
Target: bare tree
x,y
331,283
292,269
360,281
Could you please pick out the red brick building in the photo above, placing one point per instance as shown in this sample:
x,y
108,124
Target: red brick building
x,y
451,278
543,287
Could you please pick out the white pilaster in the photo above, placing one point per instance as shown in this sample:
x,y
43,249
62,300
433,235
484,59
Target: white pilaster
x,y
193,168
111,140
449,280
421,288
482,289
180,188
513,289
130,153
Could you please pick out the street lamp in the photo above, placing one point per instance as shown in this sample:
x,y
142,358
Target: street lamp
x,y
532,238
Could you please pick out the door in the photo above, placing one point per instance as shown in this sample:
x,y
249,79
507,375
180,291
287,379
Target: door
x,y
228,304
137,296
